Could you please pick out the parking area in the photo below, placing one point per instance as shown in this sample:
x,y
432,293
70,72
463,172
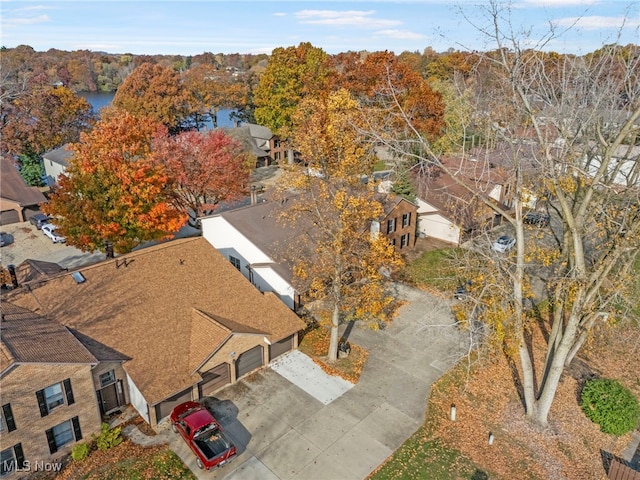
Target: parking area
x,y
26,242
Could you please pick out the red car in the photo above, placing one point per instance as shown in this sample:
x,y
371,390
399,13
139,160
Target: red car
x,y
203,434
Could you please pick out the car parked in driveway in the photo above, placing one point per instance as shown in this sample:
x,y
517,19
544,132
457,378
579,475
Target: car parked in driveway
x,y
503,244
203,434
50,231
39,219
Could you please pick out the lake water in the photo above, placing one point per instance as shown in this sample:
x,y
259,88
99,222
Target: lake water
x,y
102,99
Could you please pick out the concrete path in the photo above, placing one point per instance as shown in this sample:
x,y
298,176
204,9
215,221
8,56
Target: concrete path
x,y
286,433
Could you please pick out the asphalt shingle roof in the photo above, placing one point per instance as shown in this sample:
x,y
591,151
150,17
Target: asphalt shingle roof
x,y
141,306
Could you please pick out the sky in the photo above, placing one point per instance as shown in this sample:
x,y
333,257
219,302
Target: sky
x,y
194,27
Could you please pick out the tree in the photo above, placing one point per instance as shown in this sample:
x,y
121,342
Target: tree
x,y
204,169
293,73
346,266
112,191
31,169
568,124
155,92
44,118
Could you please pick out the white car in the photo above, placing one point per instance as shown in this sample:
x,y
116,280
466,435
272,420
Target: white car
x,y
50,231
503,244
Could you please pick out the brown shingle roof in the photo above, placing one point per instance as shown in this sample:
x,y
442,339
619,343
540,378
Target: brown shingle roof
x,y
141,305
14,188
30,338
32,270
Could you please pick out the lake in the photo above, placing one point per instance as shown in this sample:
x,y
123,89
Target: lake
x,y
102,99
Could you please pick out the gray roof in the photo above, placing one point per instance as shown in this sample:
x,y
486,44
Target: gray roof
x,y
243,135
260,224
60,155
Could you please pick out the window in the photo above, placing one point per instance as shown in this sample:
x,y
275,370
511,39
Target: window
x,y
54,396
235,262
406,219
404,240
64,433
10,458
7,422
107,378
391,225
276,156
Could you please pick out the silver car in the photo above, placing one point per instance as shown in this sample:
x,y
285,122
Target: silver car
x,y
503,244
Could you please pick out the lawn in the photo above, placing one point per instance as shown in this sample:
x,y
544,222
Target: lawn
x,y
487,402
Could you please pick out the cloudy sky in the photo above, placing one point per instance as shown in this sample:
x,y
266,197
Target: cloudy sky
x,y
193,27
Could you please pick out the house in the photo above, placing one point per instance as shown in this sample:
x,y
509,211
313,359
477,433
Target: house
x,y
18,201
398,222
56,163
448,205
258,244
261,142
48,389
157,327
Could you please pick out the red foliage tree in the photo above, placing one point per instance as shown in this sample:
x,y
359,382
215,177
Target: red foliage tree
x,y
205,168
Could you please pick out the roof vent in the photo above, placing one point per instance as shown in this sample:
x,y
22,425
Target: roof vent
x,y
78,277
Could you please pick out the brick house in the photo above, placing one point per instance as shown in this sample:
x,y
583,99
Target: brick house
x,y
152,328
398,223
48,395
18,201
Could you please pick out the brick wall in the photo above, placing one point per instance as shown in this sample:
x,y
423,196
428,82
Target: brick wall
x,y
18,388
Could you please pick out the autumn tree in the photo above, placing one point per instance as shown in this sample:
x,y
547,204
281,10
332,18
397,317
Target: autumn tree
x,y
155,92
293,73
42,118
212,89
568,124
345,269
204,169
112,191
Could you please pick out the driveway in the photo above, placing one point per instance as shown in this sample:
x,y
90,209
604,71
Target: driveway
x,y
286,429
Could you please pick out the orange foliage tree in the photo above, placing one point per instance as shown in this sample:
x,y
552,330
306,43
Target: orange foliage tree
x,y
155,92
205,168
112,191
347,263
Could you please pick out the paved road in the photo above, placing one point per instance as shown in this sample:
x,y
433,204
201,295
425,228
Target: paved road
x,y
284,433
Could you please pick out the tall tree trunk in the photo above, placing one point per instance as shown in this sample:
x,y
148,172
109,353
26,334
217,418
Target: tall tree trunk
x,y
333,344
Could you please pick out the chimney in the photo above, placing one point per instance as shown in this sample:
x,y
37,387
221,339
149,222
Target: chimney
x,y
254,194
12,274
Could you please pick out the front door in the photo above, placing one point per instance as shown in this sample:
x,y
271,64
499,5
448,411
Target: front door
x,y
109,398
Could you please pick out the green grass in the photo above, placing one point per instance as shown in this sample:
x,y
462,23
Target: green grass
x,y
423,459
434,269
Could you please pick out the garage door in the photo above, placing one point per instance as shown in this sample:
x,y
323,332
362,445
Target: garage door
x,y
163,409
249,361
280,347
214,379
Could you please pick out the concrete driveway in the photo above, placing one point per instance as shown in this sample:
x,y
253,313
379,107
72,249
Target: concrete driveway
x,y
284,432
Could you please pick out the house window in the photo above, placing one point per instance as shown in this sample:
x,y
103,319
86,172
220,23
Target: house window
x,y
7,422
107,378
406,219
391,225
276,143
235,262
54,396
404,240
276,156
64,433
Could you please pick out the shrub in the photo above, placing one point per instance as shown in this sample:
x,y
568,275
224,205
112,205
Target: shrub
x,y
611,405
80,451
109,437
